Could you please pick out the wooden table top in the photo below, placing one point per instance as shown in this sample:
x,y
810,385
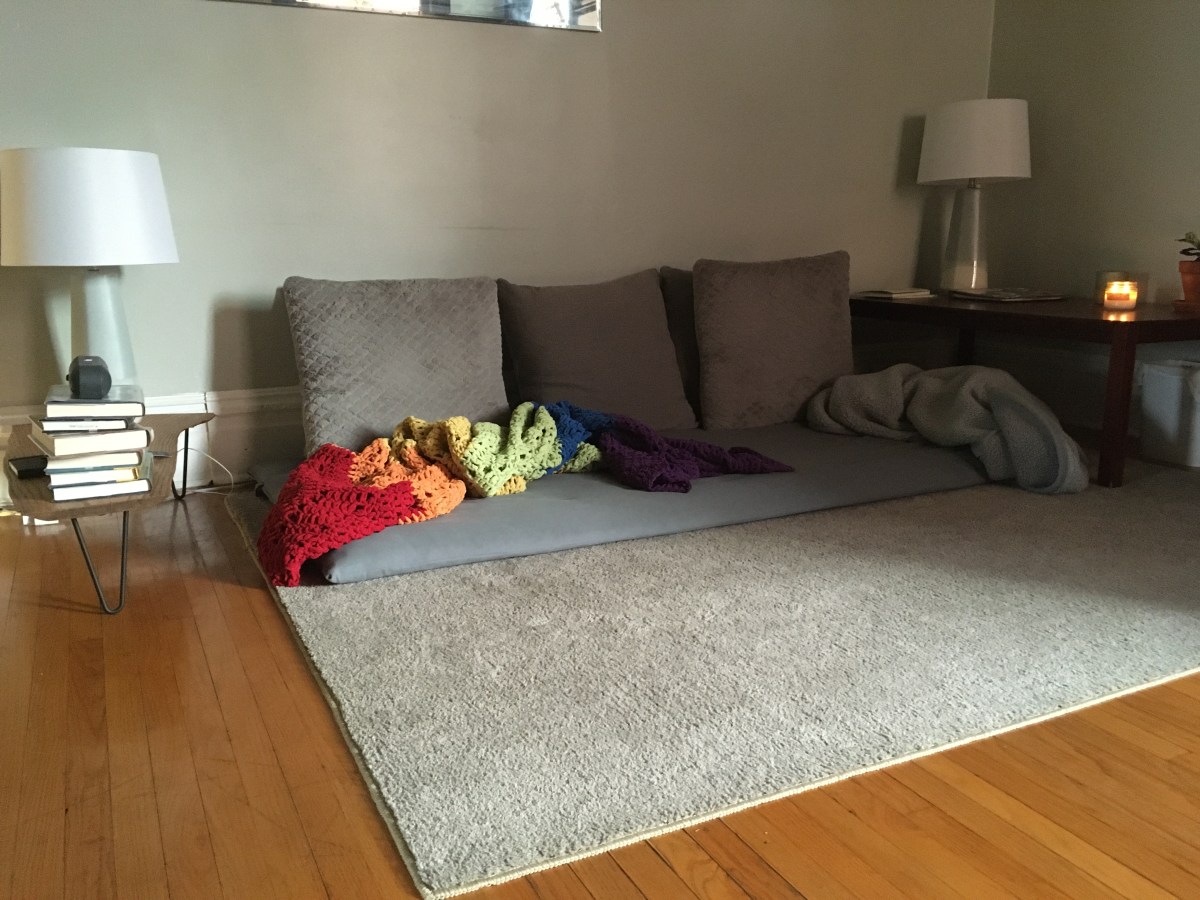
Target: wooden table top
x,y
31,496
1078,317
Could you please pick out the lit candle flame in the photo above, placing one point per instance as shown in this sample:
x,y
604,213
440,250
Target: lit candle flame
x,y
1121,295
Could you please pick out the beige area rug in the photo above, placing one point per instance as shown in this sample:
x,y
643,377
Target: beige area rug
x,y
516,714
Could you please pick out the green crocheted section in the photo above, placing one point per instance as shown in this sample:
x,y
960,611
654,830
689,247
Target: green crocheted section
x,y
586,458
493,459
499,458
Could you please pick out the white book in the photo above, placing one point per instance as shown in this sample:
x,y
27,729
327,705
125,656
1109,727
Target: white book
x,y
74,444
122,400
105,475
49,425
90,461
90,491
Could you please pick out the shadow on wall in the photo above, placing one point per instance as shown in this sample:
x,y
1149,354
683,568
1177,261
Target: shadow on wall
x,y
28,361
931,240
251,344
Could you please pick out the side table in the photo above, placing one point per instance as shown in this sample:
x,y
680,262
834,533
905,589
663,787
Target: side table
x,y
1078,318
31,497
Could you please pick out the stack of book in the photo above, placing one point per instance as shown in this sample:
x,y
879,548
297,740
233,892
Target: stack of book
x,y
94,448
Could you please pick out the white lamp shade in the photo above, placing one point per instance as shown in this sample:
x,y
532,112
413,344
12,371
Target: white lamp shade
x,y
75,206
985,140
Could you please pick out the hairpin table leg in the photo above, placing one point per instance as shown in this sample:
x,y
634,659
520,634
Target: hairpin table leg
x,y
180,494
87,558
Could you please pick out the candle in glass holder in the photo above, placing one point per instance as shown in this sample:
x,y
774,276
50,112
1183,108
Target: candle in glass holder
x,y
1120,295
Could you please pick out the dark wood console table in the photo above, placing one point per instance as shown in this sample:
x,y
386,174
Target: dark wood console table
x,y
31,497
1076,318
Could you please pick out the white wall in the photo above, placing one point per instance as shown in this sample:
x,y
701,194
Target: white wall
x,y
1116,172
344,145
1114,140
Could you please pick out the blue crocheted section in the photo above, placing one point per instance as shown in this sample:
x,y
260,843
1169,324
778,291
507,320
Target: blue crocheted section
x,y
575,425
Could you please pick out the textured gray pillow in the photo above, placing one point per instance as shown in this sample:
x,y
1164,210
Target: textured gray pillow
x,y
372,352
603,346
770,335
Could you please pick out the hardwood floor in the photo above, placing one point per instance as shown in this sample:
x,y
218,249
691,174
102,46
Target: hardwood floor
x,y
182,749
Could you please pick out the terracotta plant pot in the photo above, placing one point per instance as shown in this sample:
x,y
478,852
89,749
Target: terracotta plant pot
x,y
1189,274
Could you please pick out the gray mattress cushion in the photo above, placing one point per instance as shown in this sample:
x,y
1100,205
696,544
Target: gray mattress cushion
x,y
372,352
561,512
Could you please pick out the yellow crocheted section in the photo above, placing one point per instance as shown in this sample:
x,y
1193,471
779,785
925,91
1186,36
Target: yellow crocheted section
x,y
436,490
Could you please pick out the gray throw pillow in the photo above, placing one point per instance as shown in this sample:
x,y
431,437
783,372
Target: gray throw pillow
x,y
770,335
602,346
370,353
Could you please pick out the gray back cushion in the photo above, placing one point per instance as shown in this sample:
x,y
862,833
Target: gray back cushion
x,y
681,322
370,353
770,335
602,346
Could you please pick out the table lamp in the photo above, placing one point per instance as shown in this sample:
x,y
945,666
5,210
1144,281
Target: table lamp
x,y
93,209
966,144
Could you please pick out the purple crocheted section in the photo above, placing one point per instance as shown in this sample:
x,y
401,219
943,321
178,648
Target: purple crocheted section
x,y
642,458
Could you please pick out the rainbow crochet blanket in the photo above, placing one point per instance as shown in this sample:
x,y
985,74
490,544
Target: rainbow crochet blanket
x,y
428,468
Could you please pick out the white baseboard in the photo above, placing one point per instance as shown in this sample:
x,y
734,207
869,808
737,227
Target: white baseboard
x,y
249,427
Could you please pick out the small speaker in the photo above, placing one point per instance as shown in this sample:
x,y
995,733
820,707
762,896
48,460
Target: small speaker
x,y
89,378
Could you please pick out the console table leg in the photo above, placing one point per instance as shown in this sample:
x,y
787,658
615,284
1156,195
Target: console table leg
x,y
87,558
180,494
1114,434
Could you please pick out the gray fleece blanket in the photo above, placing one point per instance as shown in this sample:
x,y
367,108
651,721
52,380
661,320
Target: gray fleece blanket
x,y
1012,432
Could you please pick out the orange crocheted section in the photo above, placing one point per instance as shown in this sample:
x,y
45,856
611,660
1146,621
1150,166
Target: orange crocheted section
x,y
447,442
434,489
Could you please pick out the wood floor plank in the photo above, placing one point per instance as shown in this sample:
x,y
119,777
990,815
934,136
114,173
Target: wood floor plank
x,y
340,848
1105,869
650,873
139,862
16,675
786,851
1052,868
270,801
915,844
1112,800
891,792
8,579
740,861
1129,709
911,875
226,807
1171,784
1104,718
89,863
188,854
1159,858
698,870
560,884
361,822
37,868
1003,868
1188,686
602,876
826,858
518,889
1176,709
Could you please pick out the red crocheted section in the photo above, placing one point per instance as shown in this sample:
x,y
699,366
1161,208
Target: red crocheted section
x,y
320,509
